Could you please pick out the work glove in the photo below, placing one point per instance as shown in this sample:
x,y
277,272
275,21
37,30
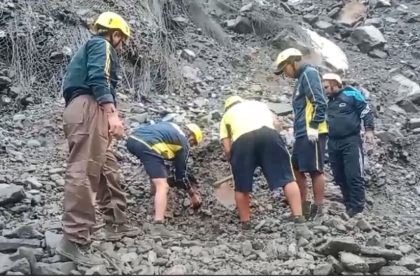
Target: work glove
x,y
312,134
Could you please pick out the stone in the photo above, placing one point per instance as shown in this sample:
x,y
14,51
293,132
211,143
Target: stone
x,y
280,109
256,88
334,246
363,225
25,231
246,248
240,25
388,254
374,263
10,193
12,244
368,38
129,257
152,256
248,7
32,254
414,123
6,263
140,118
61,268
188,54
96,270
33,143
408,106
191,73
338,267
325,26
383,3
51,240
33,182
353,262
21,265
323,269
352,12
5,81
377,22
409,262
310,18
394,270
178,269
407,88
377,53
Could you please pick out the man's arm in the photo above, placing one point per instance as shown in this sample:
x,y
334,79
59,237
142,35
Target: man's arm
x,y
226,137
180,163
315,93
99,71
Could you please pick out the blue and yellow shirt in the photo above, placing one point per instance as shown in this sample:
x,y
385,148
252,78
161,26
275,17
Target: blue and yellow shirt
x,y
309,102
168,140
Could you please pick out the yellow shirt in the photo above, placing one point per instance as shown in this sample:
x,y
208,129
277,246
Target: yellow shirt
x,y
245,117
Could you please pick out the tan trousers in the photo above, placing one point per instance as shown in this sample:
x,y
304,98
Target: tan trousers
x,y
92,171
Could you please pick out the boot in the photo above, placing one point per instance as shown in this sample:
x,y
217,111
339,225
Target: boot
x,y
306,209
159,229
115,232
77,253
301,230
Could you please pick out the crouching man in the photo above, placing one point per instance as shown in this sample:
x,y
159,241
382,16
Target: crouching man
x,y
346,109
249,140
153,145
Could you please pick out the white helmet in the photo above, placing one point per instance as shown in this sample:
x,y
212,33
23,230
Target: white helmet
x,y
332,77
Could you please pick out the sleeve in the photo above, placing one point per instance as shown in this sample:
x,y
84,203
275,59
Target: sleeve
x,y
313,89
223,129
180,162
99,71
364,111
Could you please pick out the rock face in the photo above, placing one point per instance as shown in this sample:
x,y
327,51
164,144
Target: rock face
x,y
380,252
10,194
368,38
353,262
334,246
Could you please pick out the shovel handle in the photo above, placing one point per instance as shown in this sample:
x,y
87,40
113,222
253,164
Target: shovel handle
x,y
223,180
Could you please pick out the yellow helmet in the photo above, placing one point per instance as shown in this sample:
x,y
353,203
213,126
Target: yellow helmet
x,y
284,57
113,21
231,100
196,130
332,77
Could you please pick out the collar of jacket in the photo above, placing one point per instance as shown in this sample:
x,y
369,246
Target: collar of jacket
x,y
301,69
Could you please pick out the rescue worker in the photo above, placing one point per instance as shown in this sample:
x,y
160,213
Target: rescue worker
x,y
347,107
91,121
153,144
250,140
310,127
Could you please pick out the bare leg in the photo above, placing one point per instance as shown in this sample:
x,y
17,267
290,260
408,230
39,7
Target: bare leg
x,y
292,193
243,204
318,184
161,197
303,185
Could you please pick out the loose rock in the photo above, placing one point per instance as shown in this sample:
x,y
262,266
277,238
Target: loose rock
x,y
380,252
394,270
10,194
367,38
353,262
334,246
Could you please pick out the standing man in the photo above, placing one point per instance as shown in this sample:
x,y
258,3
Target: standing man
x,y
91,121
153,144
250,140
310,127
346,109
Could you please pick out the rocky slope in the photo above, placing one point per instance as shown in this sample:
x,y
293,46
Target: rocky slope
x,y
187,64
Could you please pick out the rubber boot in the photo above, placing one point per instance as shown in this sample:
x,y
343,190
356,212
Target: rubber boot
x,y
306,209
159,229
301,230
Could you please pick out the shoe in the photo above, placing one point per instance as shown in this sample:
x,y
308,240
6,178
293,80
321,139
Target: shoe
x,y
115,232
159,229
353,212
306,209
77,253
301,230
246,226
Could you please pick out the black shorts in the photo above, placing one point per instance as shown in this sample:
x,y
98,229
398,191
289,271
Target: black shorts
x,y
260,148
307,156
154,164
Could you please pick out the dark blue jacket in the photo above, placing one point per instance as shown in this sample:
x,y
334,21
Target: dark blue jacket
x,y
345,113
309,102
93,70
168,140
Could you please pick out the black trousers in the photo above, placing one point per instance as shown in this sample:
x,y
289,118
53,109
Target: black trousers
x,y
346,159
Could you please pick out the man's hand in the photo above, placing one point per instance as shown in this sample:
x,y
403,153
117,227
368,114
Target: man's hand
x,y
227,145
312,134
116,127
369,140
195,199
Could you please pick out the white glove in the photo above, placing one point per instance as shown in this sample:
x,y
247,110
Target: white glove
x,y
312,134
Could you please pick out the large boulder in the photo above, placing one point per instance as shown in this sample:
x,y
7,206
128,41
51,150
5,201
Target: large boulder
x,y
408,89
368,38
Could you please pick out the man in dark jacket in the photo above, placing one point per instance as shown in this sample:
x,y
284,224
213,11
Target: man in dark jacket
x,y
347,108
153,144
91,121
310,127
